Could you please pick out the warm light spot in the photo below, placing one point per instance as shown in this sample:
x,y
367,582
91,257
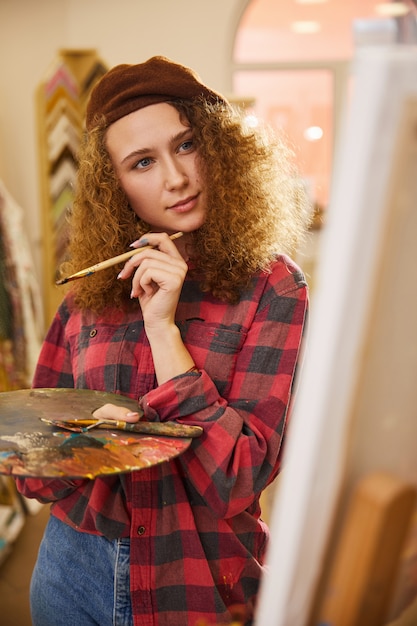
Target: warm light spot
x,y
306,27
251,120
310,1
313,133
392,9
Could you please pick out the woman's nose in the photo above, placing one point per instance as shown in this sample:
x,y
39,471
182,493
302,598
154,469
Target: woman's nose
x,y
175,175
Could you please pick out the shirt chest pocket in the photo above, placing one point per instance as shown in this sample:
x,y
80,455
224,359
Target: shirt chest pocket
x,y
114,359
215,348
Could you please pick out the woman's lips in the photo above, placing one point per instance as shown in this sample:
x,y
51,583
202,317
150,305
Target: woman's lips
x,y
182,206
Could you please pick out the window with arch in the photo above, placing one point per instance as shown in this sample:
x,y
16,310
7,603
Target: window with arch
x,y
291,58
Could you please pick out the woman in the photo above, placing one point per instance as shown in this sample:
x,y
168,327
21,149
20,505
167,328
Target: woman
x,y
205,330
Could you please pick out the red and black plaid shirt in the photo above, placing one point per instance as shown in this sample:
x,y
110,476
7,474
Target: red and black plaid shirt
x,y
197,540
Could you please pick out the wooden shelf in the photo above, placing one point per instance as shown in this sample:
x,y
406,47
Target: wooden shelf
x,y
61,100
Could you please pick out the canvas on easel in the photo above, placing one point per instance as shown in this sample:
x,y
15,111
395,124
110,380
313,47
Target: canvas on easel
x,y
355,412
383,428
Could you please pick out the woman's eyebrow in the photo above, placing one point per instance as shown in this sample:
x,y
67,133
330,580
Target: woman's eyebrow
x,y
135,154
181,135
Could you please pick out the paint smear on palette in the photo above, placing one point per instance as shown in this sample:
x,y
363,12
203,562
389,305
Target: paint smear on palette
x,y
69,455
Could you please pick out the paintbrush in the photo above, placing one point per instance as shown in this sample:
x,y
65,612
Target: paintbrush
x,y
168,429
109,262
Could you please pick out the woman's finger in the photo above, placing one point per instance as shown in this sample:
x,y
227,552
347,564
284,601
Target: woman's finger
x,y
161,275
157,257
113,412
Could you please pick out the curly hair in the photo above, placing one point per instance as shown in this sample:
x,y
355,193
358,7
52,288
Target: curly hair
x,y
256,207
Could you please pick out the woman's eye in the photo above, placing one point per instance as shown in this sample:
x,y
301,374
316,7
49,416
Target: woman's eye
x,y
186,145
143,163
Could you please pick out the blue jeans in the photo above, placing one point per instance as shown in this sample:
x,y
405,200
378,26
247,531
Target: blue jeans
x,y
80,579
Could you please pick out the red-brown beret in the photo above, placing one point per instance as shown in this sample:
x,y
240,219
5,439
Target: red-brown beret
x,y
127,88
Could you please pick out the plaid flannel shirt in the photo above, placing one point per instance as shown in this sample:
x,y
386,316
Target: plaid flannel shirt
x,y
197,539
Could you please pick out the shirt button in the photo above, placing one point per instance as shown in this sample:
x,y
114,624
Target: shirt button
x,y
141,530
93,332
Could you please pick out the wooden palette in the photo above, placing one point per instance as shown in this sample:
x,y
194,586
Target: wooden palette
x,y
31,447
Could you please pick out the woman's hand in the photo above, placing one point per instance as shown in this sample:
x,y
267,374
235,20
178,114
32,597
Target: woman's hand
x,y
158,276
113,412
